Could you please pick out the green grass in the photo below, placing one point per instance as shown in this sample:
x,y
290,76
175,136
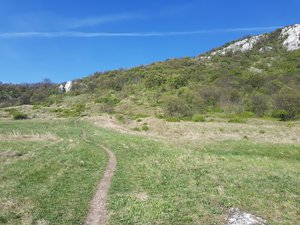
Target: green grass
x,y
197,185
48,181
155,182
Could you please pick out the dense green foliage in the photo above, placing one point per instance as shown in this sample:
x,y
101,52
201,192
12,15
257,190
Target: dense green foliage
x,y
23,94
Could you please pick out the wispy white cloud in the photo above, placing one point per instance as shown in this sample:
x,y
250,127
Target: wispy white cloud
x,y
98,20
50,21
75,34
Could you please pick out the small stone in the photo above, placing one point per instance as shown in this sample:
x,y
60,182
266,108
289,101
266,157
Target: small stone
x,y
238,217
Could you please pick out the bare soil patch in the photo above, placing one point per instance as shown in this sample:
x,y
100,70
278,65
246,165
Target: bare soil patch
x,y
9,154
98,214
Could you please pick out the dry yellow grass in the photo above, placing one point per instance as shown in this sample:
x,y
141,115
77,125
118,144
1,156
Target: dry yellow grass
x,y
17,136
261,131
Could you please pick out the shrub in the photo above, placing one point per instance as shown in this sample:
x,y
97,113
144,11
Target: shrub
x,y
107,108
236,120
154,81
121,119
145,127
11,110
198,118
288,104
193,99
108,100
177,81
175,107
139,116
74,111
19,116
79,108
259,104
283,115
68,113
159,116
136,129
246,114
173,119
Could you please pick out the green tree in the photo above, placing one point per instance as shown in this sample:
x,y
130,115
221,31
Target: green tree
x,y
259,104
175,107
288,100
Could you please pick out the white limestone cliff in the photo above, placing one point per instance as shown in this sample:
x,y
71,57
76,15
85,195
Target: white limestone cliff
x,y
291,36
242,45
68,86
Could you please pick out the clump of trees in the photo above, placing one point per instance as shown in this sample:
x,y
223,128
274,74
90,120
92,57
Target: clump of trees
x,y
25,94
287,104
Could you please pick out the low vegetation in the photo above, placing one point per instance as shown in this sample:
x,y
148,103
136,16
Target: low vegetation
x,y
47,178
179,179
191,184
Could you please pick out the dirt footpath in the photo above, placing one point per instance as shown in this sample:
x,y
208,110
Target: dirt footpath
x,y
98,214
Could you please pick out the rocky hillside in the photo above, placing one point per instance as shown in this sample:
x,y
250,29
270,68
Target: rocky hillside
x,y
254,75
287,38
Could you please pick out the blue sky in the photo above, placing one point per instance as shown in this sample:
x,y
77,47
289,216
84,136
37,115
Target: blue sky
x,y
67,39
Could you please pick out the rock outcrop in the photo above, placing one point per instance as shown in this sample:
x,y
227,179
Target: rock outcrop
x,y
68,86
291,36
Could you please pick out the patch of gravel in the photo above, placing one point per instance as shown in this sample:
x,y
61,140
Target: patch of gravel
x,y
237,217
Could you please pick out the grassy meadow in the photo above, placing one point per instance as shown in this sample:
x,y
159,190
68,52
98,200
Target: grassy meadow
x,y
160,183
49,170
47,181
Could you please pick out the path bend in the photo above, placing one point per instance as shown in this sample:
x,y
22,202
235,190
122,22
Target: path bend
x,y
98,214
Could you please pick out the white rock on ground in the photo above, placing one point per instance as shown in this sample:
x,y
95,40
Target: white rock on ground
x,y
255,70
242,218
61,88
265,49
68,86
291,35
204,57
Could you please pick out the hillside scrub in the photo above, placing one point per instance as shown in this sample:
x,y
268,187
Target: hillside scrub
x,y
184,87
254,81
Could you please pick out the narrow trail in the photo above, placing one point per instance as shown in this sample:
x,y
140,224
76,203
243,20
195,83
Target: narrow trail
x,y
97,214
